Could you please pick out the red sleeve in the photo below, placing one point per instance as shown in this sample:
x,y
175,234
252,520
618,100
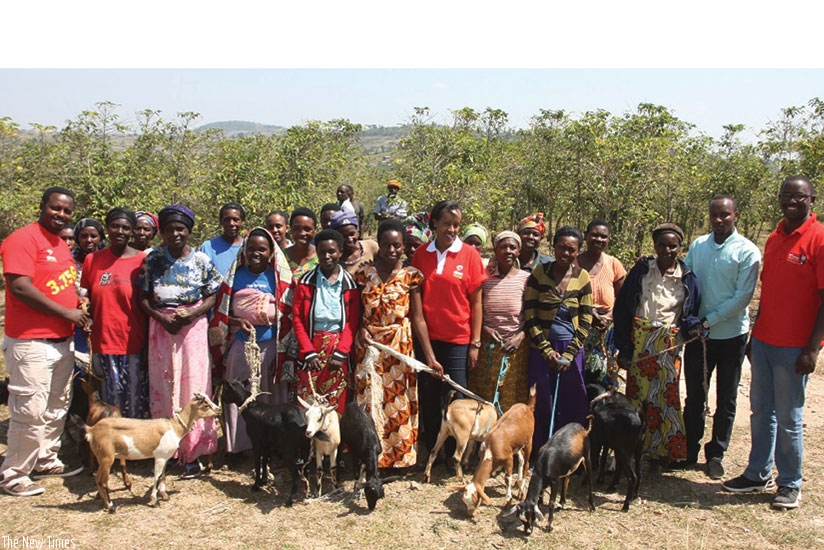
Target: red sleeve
x,y
86,275
19,254
352,302
819,262
477,274
300,319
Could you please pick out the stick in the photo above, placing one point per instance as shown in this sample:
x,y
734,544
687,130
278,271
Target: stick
x,y
416,365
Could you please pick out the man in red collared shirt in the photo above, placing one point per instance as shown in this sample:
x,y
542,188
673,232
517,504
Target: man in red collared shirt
x,y
785,342
41,311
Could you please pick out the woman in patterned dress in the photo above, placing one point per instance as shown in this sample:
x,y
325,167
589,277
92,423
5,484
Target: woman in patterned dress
x,y
659,299
391,297
177,287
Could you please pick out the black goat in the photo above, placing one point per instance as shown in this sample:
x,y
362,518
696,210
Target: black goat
x,y
357,430
557,460
279,429
617,425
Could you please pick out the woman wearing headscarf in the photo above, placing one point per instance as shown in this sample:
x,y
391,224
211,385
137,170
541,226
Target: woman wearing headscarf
x,y
177,287
356,253
119,328
475,235
557,317
659,299
531,230
255,296
89,237
417,233
145,231
501,374
606,275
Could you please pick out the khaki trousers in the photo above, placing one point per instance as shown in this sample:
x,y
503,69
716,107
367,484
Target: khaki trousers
x,y
40,374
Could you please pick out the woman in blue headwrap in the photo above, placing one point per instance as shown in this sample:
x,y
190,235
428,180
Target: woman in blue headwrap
x,y
356,253
177,287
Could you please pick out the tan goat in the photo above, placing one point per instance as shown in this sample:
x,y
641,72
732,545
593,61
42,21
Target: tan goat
x,y
137,439
468,421
510,437
98,410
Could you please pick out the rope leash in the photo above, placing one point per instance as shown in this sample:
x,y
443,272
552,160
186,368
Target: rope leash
x,y
554,402
251,353
502,370
663,351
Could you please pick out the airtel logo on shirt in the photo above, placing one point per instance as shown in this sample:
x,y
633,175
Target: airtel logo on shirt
x,y
458,273
796,259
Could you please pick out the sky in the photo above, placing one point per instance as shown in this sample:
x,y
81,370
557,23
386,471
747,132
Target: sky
x,y
712,63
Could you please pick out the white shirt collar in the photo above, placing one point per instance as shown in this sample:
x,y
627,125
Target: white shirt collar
x,y
454,247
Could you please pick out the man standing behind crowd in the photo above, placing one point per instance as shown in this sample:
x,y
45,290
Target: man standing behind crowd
x,y
41,311
346,201
785,343
726,264
391,205
223,249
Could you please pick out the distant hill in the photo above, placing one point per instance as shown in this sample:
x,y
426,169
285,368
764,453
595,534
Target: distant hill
x,y
241,128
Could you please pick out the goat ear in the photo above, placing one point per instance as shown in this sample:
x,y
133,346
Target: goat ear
x,y
359,486
455,487
510,512
303,403
538,513
390,479
330,408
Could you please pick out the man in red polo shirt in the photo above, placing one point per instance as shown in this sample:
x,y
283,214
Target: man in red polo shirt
x,y
785,342
41,311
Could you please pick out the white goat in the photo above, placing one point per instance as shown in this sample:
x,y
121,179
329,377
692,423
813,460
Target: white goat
x,y
137,439
323,428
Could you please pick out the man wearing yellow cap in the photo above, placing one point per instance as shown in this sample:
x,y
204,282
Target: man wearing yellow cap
x,y
391,206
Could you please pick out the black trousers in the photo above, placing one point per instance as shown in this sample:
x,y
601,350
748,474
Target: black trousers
x,y
724,357
432,392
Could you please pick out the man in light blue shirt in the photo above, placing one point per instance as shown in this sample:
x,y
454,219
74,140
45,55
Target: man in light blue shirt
x,y
223,249
726,264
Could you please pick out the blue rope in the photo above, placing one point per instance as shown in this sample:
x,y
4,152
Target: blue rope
x,y
502,370
554,402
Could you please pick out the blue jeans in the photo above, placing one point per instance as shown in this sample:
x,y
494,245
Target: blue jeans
x,y
777,404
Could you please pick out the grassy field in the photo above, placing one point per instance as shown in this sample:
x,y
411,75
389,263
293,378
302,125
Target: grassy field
x,y
679,510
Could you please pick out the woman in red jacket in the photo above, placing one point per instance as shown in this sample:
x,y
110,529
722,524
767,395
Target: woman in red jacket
x,y
326,311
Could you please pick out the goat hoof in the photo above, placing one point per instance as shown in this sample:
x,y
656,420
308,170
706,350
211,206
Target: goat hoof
x,y
112,509
255,488
153,503
164,496
289,503
625,508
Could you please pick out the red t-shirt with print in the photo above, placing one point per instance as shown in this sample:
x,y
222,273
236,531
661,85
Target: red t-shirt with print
x,y
119,324
34,252
445,295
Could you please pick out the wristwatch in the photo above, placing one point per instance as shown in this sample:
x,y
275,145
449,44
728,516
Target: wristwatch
x,y
705,324
476,344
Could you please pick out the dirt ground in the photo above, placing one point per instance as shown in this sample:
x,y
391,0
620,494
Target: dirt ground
x,y
679,510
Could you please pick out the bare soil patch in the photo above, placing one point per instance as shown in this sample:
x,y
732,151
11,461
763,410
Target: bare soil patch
x,y
679,510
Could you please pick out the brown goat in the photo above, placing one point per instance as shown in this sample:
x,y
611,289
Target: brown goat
x,y
466,420
510,437
137,439
99,410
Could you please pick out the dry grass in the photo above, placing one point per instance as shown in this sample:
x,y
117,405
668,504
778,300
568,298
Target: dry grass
x,y
680,510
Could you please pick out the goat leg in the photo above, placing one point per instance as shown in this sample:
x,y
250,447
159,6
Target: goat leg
x,y
588,474
102,480
127,481
443,435
553,492
564,487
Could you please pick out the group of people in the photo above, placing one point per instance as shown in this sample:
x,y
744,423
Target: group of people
x,y
166,320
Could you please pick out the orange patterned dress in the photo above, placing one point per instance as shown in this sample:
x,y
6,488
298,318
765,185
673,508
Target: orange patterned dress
x,y
386,317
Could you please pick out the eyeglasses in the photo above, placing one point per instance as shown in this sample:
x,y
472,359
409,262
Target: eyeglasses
x,y
796,197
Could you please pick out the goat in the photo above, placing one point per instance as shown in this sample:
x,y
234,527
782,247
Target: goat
x,y
136,439
99,410
323,428
357,430
618,426
510,437
557,460
272,429
466,420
